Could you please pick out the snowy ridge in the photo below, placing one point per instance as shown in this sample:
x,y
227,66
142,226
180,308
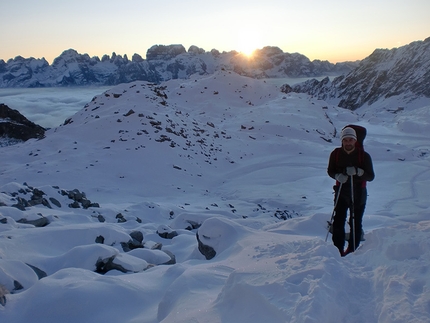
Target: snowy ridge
x,y
163,63
402,72
241,164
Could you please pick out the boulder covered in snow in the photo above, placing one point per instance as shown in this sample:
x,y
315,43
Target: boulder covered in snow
x,y
216,235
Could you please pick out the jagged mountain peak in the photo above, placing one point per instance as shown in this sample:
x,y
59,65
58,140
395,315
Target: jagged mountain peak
x,y
402,72
162,63
163,52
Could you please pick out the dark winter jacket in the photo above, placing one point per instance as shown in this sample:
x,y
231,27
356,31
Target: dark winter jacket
x,y
340,160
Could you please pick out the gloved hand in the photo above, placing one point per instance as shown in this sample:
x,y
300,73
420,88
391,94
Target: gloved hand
x,y
351,171
360,172
341,178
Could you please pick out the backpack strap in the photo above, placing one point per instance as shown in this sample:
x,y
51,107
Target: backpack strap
x,y
361,163
336,155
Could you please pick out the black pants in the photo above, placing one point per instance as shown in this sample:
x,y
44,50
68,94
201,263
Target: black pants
x,y
344,204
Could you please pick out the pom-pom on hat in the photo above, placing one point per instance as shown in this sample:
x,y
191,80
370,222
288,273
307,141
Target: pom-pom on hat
x,y
348,133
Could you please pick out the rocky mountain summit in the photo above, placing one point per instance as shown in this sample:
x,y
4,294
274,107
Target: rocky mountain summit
x,y
14,127
162,63
400,72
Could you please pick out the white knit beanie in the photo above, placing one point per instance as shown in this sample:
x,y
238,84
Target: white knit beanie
x,y
348,133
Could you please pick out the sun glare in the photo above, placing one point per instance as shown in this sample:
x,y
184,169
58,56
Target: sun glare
x,y
248,41
247,50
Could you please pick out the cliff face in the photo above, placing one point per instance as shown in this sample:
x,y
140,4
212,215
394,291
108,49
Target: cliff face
x,y
15,127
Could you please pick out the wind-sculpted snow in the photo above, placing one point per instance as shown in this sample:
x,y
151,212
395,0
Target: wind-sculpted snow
x,y
128,185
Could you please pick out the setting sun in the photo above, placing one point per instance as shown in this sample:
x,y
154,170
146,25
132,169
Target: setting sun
x,y
248,40
247,49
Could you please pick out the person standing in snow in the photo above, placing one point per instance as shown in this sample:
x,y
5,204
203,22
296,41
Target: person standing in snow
x,y
349,160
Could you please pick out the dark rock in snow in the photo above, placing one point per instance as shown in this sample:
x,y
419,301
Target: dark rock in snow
x,y
79,199
55,202
100,239
205,250
137,235
38,197
41,222
172,260
120,218
17,286
105,265
14,125
166,232
134,243
21,203
39,272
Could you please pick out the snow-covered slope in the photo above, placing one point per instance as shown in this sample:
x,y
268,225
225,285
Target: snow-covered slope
x,y
116,196
402,73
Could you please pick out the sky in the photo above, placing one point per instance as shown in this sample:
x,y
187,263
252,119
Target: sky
x,y
332,30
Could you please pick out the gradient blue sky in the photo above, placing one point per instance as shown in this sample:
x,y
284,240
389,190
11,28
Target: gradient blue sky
x,y
334,30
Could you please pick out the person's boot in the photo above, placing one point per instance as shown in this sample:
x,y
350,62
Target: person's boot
x,y
345,252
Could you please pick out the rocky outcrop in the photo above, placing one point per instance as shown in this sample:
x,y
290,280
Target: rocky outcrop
x,y
162,63
14,125
161,52
28,196
206,250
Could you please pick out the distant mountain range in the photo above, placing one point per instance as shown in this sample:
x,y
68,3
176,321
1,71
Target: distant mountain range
x,y
162,63
402,72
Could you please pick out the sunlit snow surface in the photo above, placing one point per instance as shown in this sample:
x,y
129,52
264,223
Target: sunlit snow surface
x,y
248,164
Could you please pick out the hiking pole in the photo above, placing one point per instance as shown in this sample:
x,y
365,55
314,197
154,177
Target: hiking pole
x,y
352,213
334,210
